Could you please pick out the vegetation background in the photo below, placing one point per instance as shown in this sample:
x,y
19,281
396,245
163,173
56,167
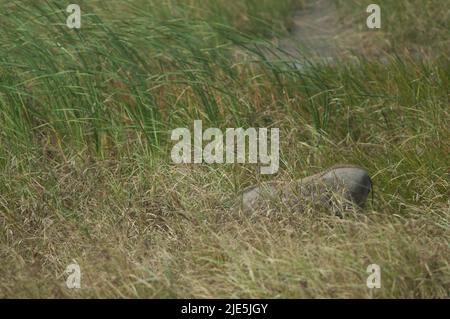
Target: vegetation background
x,y
85,170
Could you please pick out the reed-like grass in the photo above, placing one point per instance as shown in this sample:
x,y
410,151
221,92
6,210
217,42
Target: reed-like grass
x,y
86,175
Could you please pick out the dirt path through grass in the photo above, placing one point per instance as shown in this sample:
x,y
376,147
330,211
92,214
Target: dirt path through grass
x,y
319,33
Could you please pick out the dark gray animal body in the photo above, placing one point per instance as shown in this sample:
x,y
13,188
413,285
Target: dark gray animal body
x,y
341,183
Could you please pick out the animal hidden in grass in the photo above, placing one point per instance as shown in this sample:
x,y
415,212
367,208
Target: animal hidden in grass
x,y
334,188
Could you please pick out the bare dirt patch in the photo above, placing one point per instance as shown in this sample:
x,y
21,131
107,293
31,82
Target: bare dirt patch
x,y
319,32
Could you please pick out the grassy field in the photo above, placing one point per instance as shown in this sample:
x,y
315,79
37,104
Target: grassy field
x,y
86,173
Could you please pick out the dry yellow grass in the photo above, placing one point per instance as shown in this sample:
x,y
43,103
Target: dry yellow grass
x,y
86,174
143,229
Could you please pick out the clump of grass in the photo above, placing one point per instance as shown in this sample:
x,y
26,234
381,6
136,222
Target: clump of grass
x,y
86,172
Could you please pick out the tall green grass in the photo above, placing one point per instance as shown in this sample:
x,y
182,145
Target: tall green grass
x,y
118,85
114,76
85,120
